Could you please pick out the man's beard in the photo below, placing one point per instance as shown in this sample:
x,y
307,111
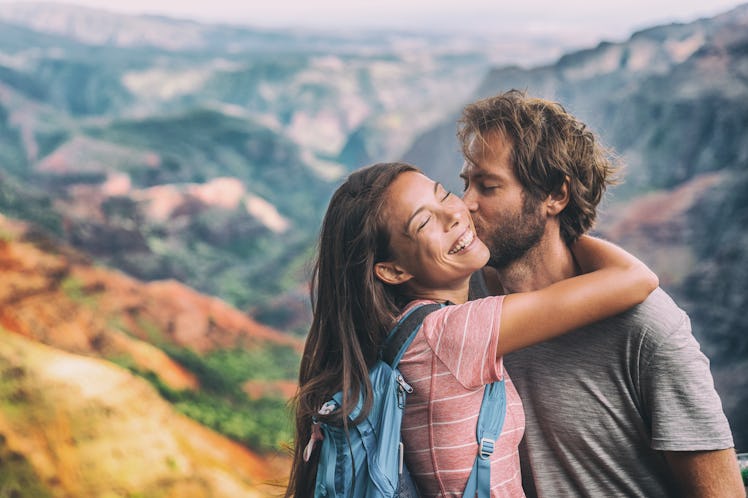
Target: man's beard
x,y
510,238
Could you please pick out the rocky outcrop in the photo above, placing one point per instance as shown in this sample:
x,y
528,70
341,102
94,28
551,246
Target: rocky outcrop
x,y
53,294
671,100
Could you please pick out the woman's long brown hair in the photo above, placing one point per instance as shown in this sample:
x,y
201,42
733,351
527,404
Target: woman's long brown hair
x,y
352,310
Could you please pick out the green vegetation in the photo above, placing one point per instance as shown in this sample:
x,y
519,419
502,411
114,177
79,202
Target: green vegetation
x,y
263,424
13,391
154,333
49,140
270,363
5,236
17,476
26,203
73,288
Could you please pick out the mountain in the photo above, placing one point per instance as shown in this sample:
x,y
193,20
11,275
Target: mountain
x,y
672,102
77,426
206,153
631,92
113,384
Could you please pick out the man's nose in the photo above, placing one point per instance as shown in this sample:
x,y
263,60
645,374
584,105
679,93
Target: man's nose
x,y
468,197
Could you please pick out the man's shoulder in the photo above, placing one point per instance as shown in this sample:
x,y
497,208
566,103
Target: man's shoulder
x,y
658,315
658,304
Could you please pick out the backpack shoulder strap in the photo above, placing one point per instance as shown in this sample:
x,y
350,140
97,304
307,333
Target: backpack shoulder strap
x,y
488,430
404,331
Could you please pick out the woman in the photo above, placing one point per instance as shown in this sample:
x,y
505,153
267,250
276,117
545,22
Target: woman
x,y
392,238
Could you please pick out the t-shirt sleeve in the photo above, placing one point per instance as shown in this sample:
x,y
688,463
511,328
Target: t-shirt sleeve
x,y
685,409
465,337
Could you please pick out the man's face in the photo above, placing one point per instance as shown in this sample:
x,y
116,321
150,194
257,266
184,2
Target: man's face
x,y
506,217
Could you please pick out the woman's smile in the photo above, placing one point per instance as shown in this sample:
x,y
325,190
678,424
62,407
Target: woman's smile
x,y
463,242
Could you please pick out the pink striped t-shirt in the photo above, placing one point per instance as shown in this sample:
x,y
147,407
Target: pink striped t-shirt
x,y
448,364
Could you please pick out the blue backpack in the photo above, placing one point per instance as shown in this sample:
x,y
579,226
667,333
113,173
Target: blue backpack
x,y
367,460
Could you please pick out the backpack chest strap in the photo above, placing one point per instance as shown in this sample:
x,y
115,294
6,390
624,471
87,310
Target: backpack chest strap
x,y
488,430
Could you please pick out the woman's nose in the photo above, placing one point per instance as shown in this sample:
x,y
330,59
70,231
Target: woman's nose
x,y
454,215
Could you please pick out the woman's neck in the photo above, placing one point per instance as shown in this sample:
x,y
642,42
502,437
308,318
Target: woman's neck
x,y
456,295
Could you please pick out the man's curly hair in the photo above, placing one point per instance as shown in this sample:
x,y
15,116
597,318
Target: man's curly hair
x,y
548,146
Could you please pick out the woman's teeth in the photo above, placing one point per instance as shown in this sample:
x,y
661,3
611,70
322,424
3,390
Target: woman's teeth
x,y
464,241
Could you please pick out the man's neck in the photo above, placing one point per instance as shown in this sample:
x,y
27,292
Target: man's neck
x,y
548,262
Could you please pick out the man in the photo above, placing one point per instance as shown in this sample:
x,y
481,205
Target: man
x,y
626,407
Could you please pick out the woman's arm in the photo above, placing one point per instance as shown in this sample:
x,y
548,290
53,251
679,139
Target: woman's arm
x,y
616,281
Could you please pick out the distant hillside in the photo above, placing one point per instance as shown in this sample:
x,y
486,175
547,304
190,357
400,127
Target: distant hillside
x,y
672,101
206,153
100,370
632,93
77,426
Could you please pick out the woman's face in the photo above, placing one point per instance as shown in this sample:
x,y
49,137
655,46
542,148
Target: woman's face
x,y
432,237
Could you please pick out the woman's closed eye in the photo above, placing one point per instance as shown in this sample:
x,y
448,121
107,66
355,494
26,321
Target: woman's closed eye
x,y
443,193
423,223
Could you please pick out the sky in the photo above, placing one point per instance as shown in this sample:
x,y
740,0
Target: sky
x,y
612,18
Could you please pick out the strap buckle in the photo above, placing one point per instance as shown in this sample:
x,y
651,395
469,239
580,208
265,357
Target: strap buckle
x,y
486,448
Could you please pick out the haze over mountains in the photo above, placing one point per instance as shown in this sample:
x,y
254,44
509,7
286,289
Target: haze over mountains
x,y
152,160
239,134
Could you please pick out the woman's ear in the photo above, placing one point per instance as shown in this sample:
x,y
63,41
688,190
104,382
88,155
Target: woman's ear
x,y
558,199
391,273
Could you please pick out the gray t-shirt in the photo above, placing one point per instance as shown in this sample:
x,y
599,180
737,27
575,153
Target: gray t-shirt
x,y
604,401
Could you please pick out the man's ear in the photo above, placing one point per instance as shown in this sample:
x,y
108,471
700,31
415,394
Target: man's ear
x,y
558,199
391,273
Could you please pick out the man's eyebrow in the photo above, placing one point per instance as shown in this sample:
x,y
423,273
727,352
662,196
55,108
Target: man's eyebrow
x,y
475,173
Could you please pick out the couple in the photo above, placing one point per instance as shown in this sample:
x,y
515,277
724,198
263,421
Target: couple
x,y
624,405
